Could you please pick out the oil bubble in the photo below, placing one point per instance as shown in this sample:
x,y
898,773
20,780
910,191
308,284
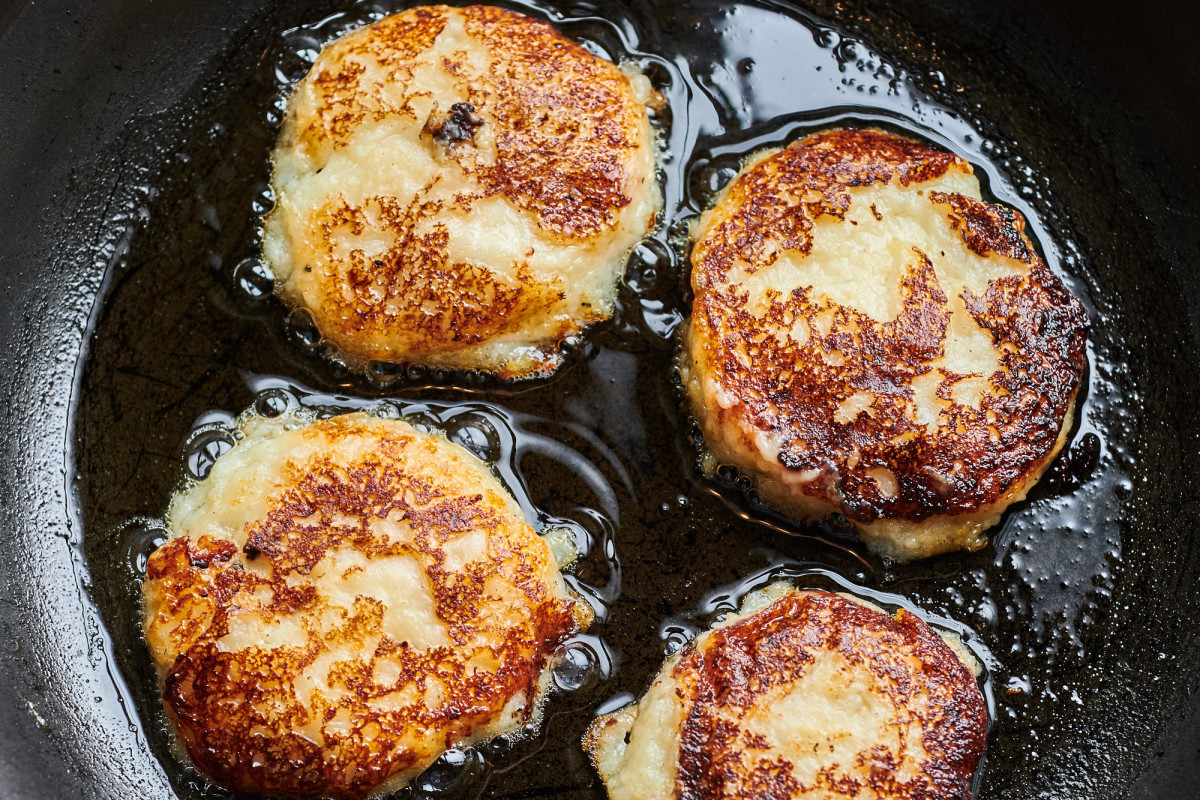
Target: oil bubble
x,y
495,747
847,52
370,12
264,199
475,433
205,447
275,112
454,772
676,636
272,403
718,178
253,276
575,667
646,263
303,329
299,52
383,373
141,538
425,423
827,38
387,411
337,366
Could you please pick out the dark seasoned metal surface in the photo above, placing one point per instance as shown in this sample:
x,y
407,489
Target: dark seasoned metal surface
x,y
130,150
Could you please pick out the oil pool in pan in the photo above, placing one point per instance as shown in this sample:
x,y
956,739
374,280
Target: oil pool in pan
x,y
190,335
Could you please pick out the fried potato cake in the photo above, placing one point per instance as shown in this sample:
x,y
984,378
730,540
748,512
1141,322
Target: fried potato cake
x,y
342,600
870,337
460,188
803,694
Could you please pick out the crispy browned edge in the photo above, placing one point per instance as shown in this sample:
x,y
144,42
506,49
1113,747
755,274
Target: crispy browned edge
x,y
563,121
738,664
980,454
211,694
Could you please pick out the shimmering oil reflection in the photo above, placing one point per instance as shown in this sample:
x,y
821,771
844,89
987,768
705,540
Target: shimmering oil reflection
x,y
602,453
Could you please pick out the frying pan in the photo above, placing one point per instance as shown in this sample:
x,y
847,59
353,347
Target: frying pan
x,y
1099,100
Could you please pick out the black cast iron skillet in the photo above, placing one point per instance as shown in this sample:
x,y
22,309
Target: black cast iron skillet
x,y
119,332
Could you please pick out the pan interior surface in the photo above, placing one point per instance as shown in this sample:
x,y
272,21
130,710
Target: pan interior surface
x,y
140,323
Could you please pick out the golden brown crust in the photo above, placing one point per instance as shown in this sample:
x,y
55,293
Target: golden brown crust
x,y
255,719
340,104
794,389
414,276
537,122
563,117
570,117
738,666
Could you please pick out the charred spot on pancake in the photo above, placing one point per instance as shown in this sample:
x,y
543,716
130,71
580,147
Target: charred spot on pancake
x,y
987,228
915,370
340,601
453,128
801,695
460,187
